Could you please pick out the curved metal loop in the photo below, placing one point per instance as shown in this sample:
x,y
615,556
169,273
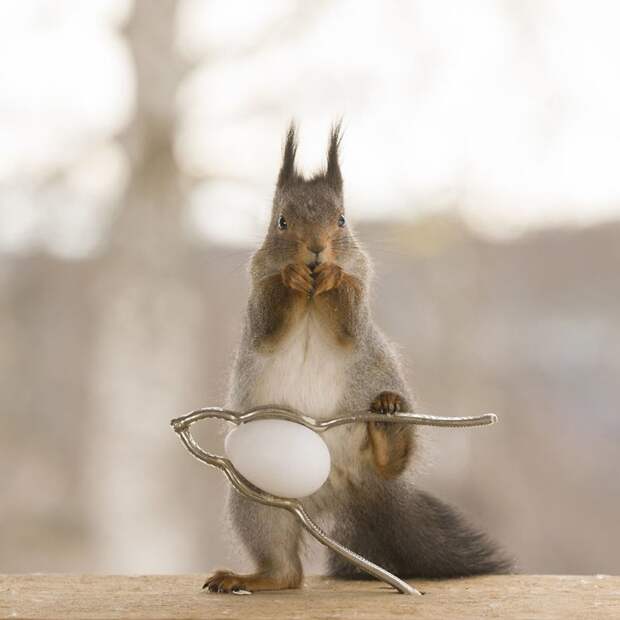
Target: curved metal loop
x,y
182,426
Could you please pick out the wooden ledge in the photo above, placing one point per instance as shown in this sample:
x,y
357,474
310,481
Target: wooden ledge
x,y
180,596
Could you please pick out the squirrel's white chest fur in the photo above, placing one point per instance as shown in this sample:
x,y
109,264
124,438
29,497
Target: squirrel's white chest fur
x,y
306,372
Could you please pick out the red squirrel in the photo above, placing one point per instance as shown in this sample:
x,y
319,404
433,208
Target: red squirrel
x,y
310,343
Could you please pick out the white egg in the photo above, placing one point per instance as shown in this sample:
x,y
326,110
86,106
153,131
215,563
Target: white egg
x,y
283,458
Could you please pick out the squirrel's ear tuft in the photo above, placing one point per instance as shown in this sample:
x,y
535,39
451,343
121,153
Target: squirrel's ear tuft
x,y
287,170
333,174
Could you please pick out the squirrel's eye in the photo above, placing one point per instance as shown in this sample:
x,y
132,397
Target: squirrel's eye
x,y
341,221
282,225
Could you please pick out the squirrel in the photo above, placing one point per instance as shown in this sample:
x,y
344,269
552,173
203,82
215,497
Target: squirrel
x,y
309,342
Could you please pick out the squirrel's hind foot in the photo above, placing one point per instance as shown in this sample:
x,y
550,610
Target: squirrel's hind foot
x,y
224,581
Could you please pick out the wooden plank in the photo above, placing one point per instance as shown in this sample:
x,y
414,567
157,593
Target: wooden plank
x,y
180,596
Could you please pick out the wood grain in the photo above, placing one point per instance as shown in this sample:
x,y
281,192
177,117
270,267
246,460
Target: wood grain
x,y
165,596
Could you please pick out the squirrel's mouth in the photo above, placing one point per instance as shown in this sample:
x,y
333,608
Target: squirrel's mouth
x,y
313,265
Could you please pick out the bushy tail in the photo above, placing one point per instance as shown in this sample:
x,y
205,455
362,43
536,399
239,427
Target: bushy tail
x,y
411,534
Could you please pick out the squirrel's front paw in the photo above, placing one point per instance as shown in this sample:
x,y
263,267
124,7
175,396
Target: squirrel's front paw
x,y
298,277
390,443
327,276
386,402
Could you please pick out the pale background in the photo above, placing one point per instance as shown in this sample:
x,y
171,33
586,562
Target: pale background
x,y
138,152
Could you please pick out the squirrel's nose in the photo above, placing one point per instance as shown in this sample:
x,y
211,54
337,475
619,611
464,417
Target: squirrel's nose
x,y
316,249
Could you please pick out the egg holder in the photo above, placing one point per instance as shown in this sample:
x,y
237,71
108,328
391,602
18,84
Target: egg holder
x,y
182,426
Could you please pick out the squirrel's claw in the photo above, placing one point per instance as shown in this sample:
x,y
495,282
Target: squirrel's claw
x,y
386,402
327,276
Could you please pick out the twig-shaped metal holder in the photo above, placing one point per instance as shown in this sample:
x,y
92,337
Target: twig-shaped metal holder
x,y
182,427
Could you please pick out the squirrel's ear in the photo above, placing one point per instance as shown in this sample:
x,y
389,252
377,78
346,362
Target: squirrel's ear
x,y
287,170
333,174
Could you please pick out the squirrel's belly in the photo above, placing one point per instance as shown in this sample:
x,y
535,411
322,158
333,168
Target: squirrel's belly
x,y
307,371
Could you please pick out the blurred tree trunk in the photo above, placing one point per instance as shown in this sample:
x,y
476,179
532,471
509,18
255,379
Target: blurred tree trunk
x,y
147,367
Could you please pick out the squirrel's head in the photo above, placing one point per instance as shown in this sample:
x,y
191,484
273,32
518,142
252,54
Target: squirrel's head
x,y
308,222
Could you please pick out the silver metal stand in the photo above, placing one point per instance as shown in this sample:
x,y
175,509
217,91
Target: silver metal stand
x,y
182,427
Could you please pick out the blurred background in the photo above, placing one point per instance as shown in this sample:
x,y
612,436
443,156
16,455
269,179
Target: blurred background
x,y
139,145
